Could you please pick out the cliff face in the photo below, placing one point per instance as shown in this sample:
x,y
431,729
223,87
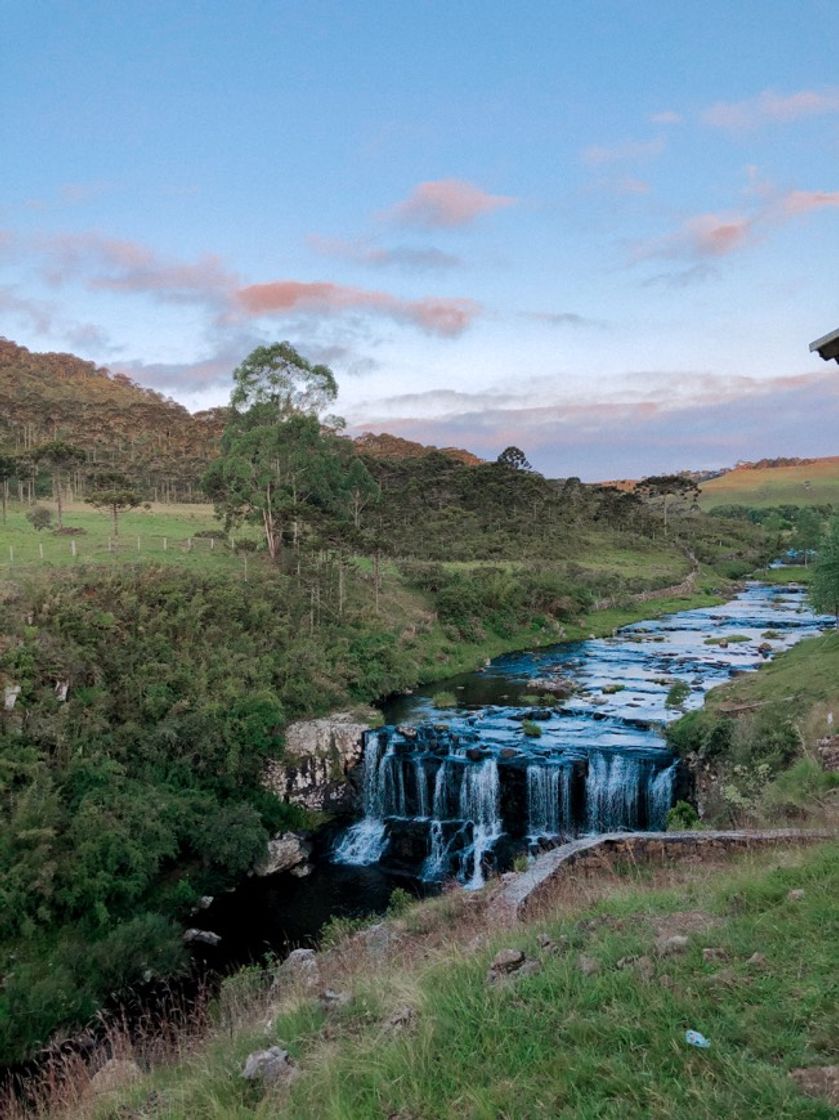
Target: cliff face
x,y
318,766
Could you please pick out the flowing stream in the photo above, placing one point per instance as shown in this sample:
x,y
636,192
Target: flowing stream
x,y
451,790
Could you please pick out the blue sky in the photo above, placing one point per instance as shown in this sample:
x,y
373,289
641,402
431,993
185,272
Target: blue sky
x,y
605,232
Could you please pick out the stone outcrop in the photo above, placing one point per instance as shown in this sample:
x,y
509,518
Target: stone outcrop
x,y
319,760
289,851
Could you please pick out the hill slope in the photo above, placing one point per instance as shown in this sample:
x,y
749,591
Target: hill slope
x,y
59,396
811,483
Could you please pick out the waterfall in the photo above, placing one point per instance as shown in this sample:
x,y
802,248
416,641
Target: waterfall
x,y
479,803
660,796
548,800
422,788
364,842
612,789
436,817
434,866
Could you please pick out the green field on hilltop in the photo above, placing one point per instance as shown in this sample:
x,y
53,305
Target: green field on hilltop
x,y
807,484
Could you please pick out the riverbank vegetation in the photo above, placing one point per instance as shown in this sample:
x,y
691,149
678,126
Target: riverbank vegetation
x,y
627,964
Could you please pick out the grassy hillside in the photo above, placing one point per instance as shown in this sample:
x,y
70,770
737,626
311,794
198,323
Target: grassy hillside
x,y
808,484
598,1033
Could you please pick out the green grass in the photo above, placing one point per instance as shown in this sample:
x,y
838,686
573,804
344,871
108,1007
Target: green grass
x,y
807,674
815,483
793,574
166,534
562,1045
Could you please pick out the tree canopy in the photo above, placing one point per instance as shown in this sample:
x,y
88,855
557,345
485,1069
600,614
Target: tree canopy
x,y
279,376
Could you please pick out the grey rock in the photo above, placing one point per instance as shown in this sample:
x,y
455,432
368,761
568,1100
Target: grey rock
x,y
273,1066
667,946
287,852
201,937
300,967
507,960
795,895
329,999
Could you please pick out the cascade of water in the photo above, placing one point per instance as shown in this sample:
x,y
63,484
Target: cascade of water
x,y
364,842
660,796
612,788
422,788
548,800
433,867
480,804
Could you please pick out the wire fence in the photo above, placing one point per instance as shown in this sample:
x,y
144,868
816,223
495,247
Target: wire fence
x,y
63,549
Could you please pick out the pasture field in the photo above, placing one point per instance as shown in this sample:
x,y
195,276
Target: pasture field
x,y
808,484
163,534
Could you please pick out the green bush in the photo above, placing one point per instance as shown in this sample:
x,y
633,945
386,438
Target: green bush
x,y
682,816
531,729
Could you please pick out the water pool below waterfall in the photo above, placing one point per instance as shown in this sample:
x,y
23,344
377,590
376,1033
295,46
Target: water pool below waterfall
x,y
452,791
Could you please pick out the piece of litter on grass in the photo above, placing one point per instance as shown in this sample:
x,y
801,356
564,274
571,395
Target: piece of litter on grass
x,y
694,1038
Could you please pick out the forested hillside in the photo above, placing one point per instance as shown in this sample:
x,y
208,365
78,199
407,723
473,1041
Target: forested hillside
x,y
59,397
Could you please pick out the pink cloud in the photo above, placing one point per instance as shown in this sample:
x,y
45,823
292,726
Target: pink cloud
x,y
442,316
446,204
707,236
102,263
113,264
802,202
771,108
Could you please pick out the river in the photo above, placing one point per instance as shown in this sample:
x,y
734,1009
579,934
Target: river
x,y
457,790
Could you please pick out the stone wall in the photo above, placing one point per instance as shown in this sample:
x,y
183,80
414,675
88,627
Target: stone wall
x,y
524,892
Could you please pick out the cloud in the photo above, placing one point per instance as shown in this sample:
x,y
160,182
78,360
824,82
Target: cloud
x,y
627,151
561,319
435,315
803,202
659,422
709,236
666,116
118,265
106,264
771,108
403,257
446,204
38,315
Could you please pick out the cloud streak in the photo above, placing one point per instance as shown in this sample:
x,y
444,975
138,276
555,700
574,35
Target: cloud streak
x,y
669,422
446,204
770,107
105,264
713,236
440,316
403,257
